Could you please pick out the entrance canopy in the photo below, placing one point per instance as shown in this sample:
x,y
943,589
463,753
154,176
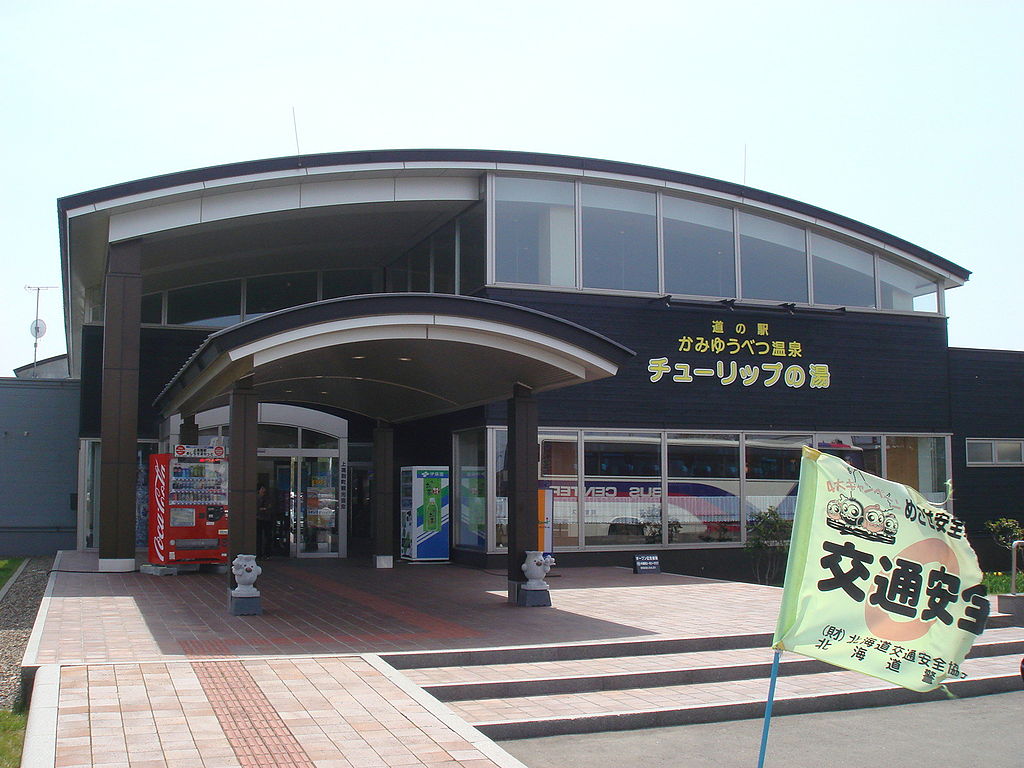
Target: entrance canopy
x,y
393,357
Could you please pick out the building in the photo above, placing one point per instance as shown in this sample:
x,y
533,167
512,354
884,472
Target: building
x,y
649,348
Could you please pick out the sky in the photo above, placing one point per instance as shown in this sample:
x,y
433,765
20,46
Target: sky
x,y
906,115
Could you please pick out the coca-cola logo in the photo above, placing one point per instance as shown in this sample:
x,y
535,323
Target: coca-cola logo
x,y
160,504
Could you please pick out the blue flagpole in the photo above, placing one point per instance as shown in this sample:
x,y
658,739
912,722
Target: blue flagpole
x,y
768,709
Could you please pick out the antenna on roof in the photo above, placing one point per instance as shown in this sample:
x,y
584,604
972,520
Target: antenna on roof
x,y
38,327
295,125
744,164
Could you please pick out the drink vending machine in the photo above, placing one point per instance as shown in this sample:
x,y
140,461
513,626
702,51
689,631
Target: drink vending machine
x,y
424,505
188,505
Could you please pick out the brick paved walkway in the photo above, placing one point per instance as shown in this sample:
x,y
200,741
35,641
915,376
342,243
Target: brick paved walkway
x,y
340,712
152,672
344,607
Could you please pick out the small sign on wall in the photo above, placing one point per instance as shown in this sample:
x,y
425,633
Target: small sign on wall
x,y
646,564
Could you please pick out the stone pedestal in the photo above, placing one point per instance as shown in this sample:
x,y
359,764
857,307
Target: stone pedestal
x,y
533,598
1013,605
244,606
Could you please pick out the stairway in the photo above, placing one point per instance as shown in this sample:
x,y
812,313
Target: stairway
x,y
528,691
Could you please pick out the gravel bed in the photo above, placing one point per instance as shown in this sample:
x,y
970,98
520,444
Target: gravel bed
x,y
17,614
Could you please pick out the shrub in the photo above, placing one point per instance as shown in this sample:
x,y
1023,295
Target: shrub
x,y
768,543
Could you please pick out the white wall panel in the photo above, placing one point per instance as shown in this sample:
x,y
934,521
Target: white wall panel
x,y
248,203
437,188
143,221
341,192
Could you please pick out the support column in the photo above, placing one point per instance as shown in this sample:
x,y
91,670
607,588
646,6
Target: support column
x,y
242,496
523,457
122,307
189,433
383,495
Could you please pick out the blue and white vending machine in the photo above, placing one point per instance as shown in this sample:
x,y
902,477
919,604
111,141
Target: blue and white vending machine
x,y
424,495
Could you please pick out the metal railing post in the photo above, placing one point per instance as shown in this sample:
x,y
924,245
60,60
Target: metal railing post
x,y
1013,567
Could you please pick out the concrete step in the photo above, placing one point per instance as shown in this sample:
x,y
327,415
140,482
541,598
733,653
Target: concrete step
x,y
527,691
564,651
531,678
627,709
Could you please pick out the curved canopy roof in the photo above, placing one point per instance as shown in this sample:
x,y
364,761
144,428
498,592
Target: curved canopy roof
x,y
394,357
369,161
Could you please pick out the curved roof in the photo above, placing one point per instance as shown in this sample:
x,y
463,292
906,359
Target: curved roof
x,y
484,160
394,357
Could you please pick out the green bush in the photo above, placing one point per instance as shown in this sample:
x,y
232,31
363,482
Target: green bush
x,y
1005,531
768,544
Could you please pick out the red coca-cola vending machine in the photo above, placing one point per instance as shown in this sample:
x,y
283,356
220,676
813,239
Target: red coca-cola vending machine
x,y
188,505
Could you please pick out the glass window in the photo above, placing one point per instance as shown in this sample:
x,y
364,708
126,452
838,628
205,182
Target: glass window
x,y
772,469
773,261
703,456
907,290
472,250
419,268
348,282
313,439
207,435
558,461
558,457
277,436
700,253
979,452
620,239
471,491
703,501
153,308
622,459
91,502
1008,451
273,292
919,462
535,232
994,452
444,259
843,275
861,451
622,489
213,304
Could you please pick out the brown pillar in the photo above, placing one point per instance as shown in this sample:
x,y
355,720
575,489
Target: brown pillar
x,y
189,433
242,496
122,297
383,495
523,457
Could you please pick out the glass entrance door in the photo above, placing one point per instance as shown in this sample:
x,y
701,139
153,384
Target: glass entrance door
x,y
319,515
301,515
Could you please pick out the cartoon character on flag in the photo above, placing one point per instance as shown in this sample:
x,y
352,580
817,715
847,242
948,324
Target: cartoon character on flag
x,y
878,581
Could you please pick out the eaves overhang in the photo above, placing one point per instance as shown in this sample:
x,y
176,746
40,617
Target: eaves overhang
x,y
393,357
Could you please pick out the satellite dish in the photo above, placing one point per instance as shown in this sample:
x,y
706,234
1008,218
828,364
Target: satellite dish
x,y
37,329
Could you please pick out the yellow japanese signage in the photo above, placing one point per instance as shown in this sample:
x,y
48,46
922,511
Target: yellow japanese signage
x,y
879,581
750,340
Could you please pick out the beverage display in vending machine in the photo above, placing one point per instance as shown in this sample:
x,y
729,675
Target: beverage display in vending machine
x,y
188,505
424,506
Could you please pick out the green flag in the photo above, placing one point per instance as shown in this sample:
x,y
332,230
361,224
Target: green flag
x,y
878,581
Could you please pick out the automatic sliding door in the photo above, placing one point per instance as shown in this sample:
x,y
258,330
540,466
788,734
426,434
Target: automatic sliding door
x,y
320,517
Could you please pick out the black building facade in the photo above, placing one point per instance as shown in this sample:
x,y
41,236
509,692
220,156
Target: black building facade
x,y
673,340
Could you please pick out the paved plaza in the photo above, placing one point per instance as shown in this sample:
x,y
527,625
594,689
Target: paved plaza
x,y
141,671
